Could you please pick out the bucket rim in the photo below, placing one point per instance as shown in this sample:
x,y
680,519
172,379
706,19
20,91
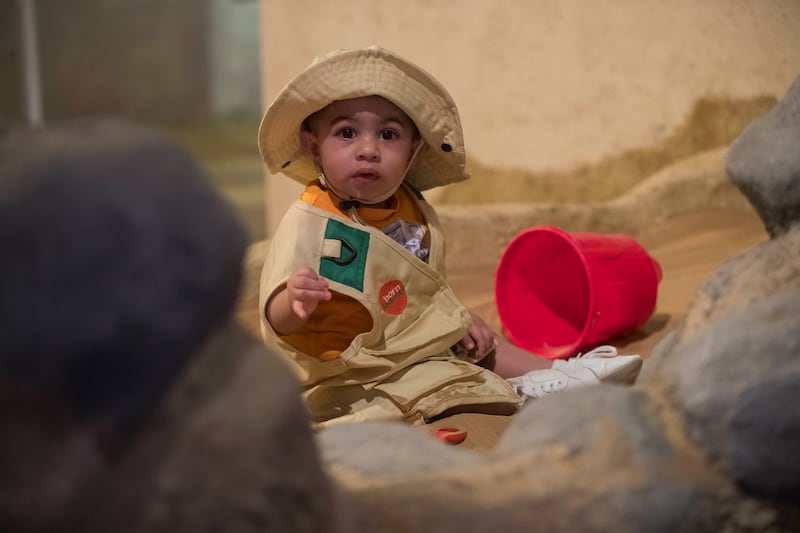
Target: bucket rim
x,y
589,317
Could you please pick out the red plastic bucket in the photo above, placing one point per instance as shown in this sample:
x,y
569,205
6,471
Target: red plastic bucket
x,y
557,292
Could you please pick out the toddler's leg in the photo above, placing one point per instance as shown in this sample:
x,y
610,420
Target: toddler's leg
x,y
509,361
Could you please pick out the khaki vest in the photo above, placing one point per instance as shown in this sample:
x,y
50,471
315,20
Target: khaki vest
x,y
403,369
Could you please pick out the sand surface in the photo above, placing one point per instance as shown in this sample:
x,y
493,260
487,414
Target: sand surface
x,y
689,249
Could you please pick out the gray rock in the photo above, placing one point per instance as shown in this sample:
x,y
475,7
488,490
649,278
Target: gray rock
x,y
765,438
132,399
114,241
594,459
385,451
652,370
767,269
230,449
566,420
735,381
625,430
764,162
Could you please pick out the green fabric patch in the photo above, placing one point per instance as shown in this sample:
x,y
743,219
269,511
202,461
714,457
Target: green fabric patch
x,y
348,269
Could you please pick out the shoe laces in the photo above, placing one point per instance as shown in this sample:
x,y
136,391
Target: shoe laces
x,y
547,388
605,350
527,389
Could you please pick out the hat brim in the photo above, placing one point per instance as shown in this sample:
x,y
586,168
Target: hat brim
x,y
345,74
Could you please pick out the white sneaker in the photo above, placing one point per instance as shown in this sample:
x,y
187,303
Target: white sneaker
x,y
600,365
606,364
540,383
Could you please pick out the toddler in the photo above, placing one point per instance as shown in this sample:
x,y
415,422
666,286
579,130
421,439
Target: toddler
x,y
353,290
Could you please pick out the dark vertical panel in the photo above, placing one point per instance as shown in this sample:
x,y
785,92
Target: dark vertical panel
x,y
143,59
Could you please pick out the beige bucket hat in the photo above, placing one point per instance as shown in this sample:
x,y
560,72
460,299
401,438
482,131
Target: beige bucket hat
x,y
343,74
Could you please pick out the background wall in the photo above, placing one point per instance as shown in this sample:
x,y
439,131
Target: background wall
x,y
549,85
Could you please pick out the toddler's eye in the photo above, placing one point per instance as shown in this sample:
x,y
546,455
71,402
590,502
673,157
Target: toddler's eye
x,y
388,135
347,133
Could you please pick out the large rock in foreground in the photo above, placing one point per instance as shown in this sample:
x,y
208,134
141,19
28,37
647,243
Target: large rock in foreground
x,y
764,162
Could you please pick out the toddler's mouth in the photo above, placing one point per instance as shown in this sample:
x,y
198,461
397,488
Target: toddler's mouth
x,y
366,175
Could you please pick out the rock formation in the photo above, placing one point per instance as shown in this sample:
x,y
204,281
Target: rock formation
x,y
213,436
131,398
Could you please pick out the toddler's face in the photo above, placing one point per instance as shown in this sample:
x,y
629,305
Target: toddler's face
x,y
363,145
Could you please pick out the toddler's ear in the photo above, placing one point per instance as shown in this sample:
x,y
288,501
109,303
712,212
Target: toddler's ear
x,y
310,144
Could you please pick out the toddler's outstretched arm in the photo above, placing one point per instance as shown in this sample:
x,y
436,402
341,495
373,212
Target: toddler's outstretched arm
x,y
290,307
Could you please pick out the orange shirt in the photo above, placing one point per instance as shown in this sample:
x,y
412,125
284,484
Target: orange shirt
x,y
335,323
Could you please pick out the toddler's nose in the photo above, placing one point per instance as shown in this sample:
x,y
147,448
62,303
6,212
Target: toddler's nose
x,y
368,148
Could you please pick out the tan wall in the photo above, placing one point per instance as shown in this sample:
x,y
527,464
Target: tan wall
x,y
548,84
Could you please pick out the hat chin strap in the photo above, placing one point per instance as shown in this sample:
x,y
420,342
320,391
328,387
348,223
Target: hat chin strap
x,y
352,203
352,199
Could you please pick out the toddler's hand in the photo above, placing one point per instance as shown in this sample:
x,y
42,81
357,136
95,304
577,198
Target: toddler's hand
x,y
480,338
305,289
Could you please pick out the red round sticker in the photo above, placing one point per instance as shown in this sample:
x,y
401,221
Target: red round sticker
x,y
393,297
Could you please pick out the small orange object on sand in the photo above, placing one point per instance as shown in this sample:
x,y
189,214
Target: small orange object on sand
x,y
450,435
